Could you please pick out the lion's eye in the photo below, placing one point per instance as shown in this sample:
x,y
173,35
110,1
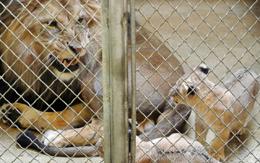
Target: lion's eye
x,y
53,24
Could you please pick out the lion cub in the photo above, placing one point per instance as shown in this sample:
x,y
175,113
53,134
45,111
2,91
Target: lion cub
x,y
225,109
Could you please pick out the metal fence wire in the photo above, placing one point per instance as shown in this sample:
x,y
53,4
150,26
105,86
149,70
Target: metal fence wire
x,y
179,81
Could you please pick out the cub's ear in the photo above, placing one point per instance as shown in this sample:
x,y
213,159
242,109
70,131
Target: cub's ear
x,y
191,90
204,68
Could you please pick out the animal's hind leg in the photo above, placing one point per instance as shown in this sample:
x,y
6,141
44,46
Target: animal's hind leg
x,y
201,130
87,135
24,116
217,148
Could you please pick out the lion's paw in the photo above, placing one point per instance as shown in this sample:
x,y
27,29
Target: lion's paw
x,y
10,115
54,138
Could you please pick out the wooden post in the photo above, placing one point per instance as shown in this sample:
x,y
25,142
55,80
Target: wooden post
x,y
114,81
133,80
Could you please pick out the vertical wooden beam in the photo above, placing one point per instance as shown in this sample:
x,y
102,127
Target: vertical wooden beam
x,y
114,81
133,80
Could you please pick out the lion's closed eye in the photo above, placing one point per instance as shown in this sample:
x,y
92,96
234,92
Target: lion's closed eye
x,y
52,26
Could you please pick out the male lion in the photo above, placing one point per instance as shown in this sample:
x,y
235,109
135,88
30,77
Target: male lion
x,y
225,109
50,70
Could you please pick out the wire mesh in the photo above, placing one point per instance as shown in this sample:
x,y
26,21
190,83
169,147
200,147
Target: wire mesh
x,y
50,84
223,35
50,81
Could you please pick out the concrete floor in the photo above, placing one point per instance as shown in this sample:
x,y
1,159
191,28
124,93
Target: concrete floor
x,y
220,33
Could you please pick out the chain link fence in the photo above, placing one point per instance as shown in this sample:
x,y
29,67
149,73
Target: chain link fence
x,y
224,35
50,63
194,81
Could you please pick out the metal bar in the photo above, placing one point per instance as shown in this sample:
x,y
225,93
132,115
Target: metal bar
x,y
114,81
133,80
106,80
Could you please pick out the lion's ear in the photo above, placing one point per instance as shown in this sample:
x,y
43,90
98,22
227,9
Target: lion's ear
x,y
204,68
191,90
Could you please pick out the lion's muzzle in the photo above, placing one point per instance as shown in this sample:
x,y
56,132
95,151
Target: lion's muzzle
x,y
66,65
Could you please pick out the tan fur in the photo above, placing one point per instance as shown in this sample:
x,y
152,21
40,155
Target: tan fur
x,y
37,120
26,45
27,59
224,109
87,135
16,40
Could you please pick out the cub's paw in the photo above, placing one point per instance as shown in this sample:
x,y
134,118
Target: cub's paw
x,y
54,138
10,115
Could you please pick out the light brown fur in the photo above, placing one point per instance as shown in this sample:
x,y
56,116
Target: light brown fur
x,y
32,36
26,47
225,109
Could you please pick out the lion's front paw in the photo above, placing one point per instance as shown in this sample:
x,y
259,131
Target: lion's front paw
x,y
54,138
10,115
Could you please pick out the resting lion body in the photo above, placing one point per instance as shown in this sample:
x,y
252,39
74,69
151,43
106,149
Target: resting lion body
x,y
225,109
50,66
43,55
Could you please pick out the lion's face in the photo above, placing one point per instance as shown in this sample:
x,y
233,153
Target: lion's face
x,y
64,32
188,88
54,34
